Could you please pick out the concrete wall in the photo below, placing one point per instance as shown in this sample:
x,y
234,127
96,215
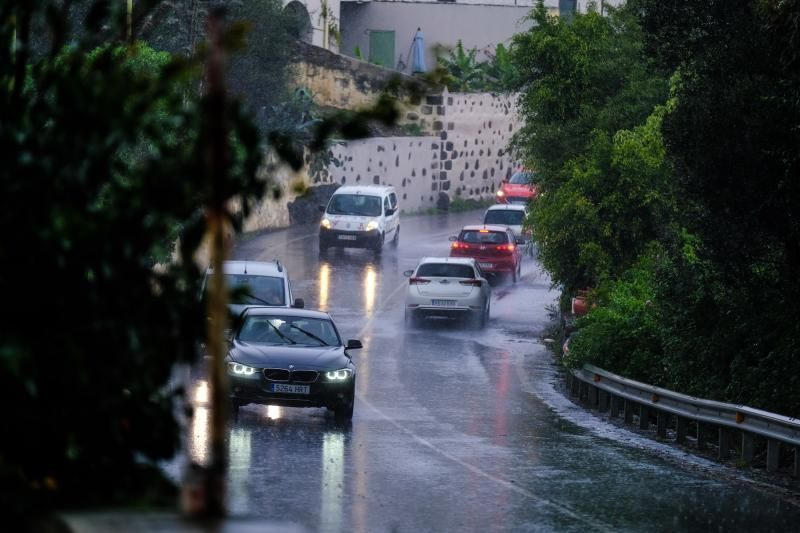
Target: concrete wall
x,y
478,26
466,158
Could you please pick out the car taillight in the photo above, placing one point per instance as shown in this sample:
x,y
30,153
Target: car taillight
x,y
473,282
506,247
418,281
460,246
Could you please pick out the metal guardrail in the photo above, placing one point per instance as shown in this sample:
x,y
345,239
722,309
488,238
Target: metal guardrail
x,y
610,392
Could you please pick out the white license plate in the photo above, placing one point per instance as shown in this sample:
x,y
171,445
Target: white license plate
x,y
443,303
284,388
347,237
485,265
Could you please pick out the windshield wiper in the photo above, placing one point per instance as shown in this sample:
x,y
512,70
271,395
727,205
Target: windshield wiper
x,y
281,335
256,298
301,330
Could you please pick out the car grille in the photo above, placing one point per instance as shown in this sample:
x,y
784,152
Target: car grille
x,y
277,374
296,376
304,376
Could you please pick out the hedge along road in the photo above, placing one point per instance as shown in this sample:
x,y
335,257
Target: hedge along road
x,y
457,430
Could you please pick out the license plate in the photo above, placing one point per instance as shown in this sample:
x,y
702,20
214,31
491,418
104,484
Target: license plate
x,y
485,265
443,303
284,388
347,237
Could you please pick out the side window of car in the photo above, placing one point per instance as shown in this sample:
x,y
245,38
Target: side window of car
x,y
393,200
386,207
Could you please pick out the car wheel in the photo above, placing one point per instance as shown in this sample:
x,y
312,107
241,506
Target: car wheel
x,y
323,247
235,409
379,246
345,410
396,239
514,276
485,316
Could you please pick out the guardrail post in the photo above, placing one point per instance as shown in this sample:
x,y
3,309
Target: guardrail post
x,y
575,386
701,443
661,424
748,447
582,391
724,443
796,471
681,428
644,414
592,396
773,452
568,381
602,401
628,411
613,412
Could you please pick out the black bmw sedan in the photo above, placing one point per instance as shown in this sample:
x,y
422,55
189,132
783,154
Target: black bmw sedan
x,y
292,358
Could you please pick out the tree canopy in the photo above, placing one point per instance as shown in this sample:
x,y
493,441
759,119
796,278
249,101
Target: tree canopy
x,y
665,136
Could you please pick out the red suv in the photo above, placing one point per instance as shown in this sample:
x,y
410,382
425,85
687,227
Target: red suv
x,y
493,247
517,190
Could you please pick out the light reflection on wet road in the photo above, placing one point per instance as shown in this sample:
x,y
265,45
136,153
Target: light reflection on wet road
x,y
454,430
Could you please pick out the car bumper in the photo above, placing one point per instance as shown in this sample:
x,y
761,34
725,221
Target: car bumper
x,y
349,239
496,264
427,306
329,394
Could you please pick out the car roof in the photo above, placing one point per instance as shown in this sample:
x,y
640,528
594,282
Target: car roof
x,y
453,260
254,268
508,207
256,310
490,227
367,190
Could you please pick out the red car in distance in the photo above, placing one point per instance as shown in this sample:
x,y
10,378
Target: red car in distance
x,y
493,247
519,189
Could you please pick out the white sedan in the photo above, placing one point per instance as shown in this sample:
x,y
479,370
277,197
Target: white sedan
x,y
449,287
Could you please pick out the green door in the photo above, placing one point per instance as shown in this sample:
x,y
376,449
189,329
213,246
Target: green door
x,y
381,48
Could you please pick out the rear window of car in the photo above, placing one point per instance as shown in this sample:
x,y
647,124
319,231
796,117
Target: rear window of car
x,y
520,178
445,270
508,217
259,290
479,237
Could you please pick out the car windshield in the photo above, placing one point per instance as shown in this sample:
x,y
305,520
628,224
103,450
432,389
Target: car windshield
x,y
249,289
483,237
288,330
522,178
355,204
509,217
445,270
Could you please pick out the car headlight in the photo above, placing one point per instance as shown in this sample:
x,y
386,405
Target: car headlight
x,y
500,192
325,223
339,375
371,225
238,369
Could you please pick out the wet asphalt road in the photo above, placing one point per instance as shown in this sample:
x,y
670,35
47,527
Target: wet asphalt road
x,y
457,430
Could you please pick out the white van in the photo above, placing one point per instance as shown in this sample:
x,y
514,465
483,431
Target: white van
x,y
360,217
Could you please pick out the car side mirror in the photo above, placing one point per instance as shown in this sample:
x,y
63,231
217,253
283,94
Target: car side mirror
x,y
353,344
299,303
408,273
453,239
321,208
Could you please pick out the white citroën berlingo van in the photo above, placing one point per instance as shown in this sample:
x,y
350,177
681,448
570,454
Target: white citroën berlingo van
x,y
360,217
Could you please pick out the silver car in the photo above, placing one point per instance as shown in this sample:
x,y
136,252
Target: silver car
x,y
449,287
513,216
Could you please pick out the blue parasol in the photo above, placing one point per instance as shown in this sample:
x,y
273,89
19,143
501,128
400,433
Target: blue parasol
x,y
418,53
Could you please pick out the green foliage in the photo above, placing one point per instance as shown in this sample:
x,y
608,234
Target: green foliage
x,y
603,172
463,72
680,213
622,333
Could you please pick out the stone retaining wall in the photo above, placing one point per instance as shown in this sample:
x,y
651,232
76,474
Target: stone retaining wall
x,y
467,157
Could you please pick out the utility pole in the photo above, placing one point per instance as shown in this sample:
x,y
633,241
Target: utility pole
x,y
216,154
